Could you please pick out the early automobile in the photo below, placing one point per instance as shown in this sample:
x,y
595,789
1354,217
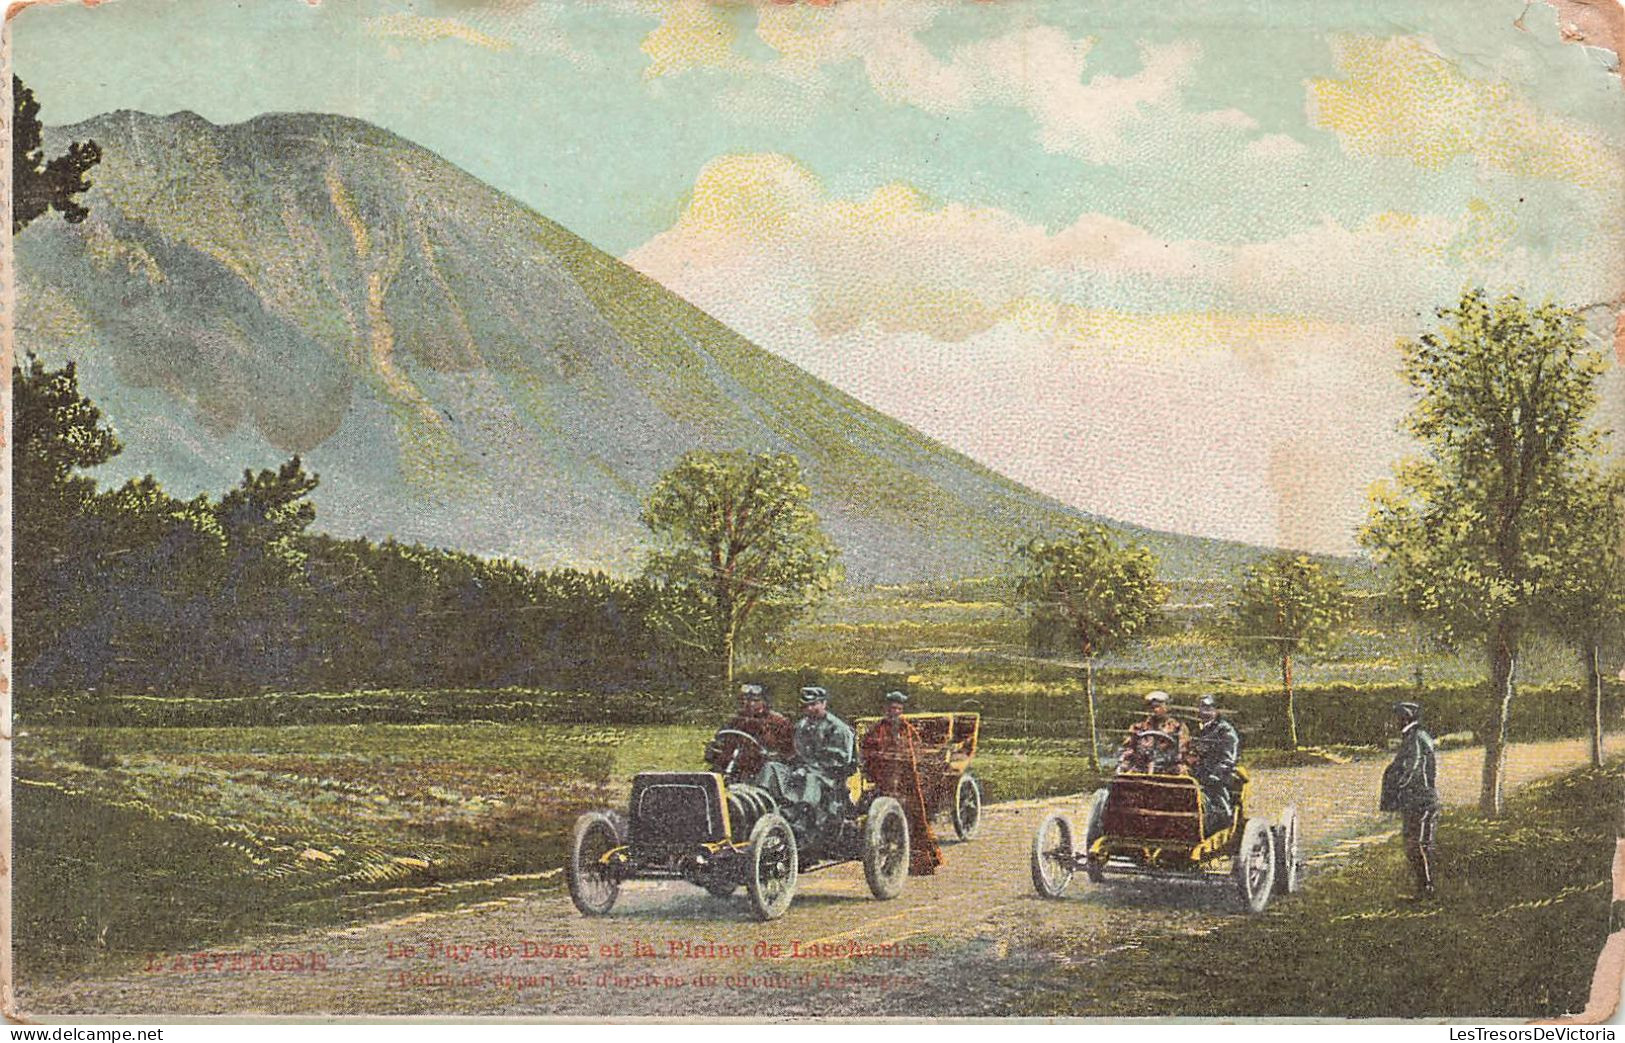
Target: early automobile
x,y
947,747
1157,825
720,833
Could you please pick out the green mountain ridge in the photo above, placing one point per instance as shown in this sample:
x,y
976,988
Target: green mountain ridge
x,y
458,369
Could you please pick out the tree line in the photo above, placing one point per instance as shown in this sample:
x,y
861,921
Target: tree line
x,y
132,588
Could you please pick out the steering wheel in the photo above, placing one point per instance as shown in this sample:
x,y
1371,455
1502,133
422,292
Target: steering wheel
x,y
743,735
1155,733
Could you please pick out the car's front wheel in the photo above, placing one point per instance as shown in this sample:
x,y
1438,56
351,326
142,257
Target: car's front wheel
x,y
773,867
592,882
1053,857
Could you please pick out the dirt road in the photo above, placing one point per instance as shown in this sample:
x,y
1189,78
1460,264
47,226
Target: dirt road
x,y
954,944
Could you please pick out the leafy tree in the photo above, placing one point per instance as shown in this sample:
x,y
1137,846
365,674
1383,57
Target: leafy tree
x,y
1473,530
1287,606
36,185
1589,603
57,433
264,521
1098,593
741,549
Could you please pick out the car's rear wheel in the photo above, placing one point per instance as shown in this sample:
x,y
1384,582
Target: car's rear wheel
x,y
592,882
771,856
1053,855
1288,855
967,807
1095,829
1255,866
885,848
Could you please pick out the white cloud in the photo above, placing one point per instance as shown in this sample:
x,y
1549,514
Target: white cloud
x,y
1100,351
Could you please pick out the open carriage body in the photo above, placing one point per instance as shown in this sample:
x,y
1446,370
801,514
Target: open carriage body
x,y
947,784
1159,825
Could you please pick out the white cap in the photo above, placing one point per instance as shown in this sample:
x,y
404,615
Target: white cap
x,y
1156,697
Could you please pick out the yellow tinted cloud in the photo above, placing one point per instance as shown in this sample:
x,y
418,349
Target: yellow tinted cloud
x,y
425,30
1399,97
690,35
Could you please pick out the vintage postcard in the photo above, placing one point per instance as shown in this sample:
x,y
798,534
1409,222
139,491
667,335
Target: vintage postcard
x,y
860,509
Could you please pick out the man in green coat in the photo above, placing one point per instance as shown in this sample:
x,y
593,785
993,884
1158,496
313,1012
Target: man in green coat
x,y
810,787
1215,747
1410,787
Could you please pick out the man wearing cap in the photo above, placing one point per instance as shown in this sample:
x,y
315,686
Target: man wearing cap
x,y
891,762
810,786
755,718
1159,720
1215,747
1410,787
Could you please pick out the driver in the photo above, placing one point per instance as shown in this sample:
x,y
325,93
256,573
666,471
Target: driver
x,y
756,717
809,786
1158,719
1153,753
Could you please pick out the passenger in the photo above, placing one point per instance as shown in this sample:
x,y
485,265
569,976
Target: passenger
x,y
1214,750
757,718
1158,719
810,788
891,752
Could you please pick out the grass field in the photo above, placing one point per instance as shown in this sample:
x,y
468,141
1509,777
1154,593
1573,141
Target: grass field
x,y
1522,912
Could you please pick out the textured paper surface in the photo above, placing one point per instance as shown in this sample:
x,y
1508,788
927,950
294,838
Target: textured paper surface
x,y
988,271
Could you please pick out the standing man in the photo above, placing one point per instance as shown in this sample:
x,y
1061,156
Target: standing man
x,y
757,718
809,788
1215,748
1409,786
1158,719
891,762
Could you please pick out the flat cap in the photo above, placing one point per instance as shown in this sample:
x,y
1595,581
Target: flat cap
x,y
1409,711
752,691
814,694
896,697
1156,697
1208,702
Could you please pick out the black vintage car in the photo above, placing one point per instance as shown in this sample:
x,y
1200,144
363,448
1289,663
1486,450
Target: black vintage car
x,y
720,833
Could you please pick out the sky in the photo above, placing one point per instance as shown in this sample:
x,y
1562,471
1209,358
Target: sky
x,y
1151,260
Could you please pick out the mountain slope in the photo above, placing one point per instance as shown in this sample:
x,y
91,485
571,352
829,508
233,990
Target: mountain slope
x,y
458,369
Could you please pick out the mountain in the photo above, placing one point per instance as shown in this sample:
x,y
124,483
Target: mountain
x,y
459,370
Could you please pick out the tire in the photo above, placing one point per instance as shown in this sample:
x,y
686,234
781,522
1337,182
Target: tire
x,y
967,809
1255,866
774,865
593,885
1288,854
885,848
1053,855
1095,829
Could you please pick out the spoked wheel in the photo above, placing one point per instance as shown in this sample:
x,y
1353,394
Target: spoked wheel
x,y
1255,866
967,807
1288,856
885,848
592,882
1093,832
1053,856
773,864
